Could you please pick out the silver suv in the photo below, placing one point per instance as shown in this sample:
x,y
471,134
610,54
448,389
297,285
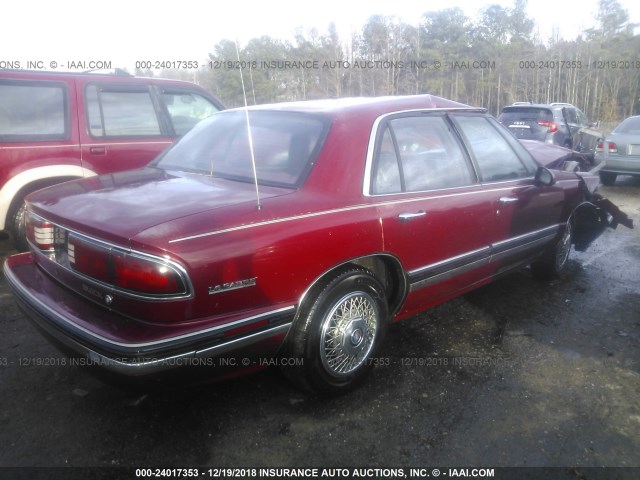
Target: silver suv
x,y
558,123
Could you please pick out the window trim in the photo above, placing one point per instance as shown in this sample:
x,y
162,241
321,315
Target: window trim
x,y
377,131
50,137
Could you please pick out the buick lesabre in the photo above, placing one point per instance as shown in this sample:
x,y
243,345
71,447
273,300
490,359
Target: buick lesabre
x,y
295,231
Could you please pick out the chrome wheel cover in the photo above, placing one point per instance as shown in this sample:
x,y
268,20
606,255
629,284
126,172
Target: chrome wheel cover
x,y
564,247
348,333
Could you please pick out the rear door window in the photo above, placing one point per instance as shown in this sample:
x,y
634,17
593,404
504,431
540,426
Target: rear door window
x,y
582,118
33,111
572,118
121,111
418,154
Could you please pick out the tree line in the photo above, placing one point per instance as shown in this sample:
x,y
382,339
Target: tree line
x,y
490,61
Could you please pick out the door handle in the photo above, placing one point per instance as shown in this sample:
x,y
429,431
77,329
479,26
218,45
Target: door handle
x,y
98,150
407,216
507,200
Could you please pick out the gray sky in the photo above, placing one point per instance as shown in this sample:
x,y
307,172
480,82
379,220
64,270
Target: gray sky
x,y
125,31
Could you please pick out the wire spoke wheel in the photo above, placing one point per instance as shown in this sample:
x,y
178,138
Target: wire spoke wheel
x,y
338,331
348,333
563,248
553,263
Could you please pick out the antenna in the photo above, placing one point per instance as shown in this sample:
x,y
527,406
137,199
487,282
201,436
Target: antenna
x,y
250,136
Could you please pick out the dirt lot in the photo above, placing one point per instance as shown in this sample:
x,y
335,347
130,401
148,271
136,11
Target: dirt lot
x,y
519,373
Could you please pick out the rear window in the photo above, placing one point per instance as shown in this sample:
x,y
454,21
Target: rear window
x,y
33,111
514,114
284,145
630,125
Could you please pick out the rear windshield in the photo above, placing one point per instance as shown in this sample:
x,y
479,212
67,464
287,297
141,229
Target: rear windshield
x,y
33,111
284,146
630,125
514,114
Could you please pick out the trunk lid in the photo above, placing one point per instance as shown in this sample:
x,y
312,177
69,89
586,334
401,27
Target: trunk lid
x,y
110,206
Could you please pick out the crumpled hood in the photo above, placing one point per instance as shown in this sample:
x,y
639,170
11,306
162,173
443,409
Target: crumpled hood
x,y
123,204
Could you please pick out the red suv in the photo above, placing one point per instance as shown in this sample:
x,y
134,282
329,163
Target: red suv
x,y
60,126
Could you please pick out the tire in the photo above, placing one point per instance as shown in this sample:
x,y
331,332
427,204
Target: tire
x,y
554,261
608,178
17,228
337,333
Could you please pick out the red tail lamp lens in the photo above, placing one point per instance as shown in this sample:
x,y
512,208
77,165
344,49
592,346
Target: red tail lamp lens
x,y
89,259
145,276
126,271
612,147
551,126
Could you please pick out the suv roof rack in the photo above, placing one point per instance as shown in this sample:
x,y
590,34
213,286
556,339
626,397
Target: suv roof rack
x,y
521,103
554,104
112,71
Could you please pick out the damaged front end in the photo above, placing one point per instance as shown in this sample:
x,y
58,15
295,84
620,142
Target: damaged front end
x,y
595,214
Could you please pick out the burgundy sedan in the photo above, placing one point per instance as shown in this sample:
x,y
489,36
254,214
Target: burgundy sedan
x,y
293,234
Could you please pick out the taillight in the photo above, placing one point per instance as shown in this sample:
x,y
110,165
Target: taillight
x,y
138,274
612,147
43,234
89,259
131,272
551,126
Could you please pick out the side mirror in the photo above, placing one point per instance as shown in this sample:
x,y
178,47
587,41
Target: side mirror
x,y
545,177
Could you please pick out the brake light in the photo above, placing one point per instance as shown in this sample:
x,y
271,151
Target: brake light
x,y
612,147
89,259
551,126
137,273
40,232
132,272
145,276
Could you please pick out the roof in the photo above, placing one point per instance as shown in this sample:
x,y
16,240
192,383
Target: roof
x,y
378,105
118,74
550,106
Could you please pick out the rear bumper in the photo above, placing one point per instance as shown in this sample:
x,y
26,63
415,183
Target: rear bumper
x,y
621,165
54,310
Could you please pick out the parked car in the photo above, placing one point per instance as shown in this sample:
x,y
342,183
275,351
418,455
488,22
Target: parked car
x,y
60,126
557,123
293,234
619,153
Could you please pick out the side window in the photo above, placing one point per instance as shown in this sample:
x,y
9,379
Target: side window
x,y
495,157
571,115
418,154
582,118
386,168
186,109
121,112
33,111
